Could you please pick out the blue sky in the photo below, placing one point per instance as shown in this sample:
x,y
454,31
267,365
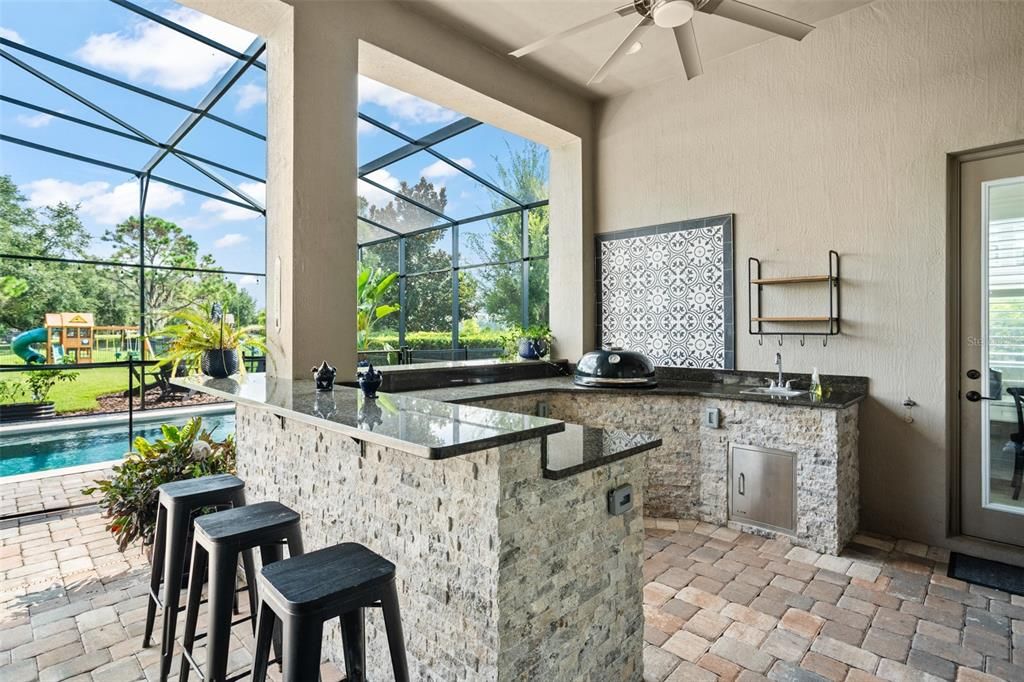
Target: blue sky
x,y
115,41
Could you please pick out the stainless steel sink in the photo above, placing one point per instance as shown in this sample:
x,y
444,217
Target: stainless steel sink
x,y
777,392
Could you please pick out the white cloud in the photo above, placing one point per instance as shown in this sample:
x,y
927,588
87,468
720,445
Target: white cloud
x,y
34,120
11,35
374,195
223,211
230,239
147,52
248,281
440,169
249,95
364,128
402,105
100,201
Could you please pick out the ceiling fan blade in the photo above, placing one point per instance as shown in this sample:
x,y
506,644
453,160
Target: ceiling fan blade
x,y
757,17
620,51
623,11
688,52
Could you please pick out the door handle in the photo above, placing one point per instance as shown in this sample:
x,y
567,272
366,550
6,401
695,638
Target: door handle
x,y
974,396
741,486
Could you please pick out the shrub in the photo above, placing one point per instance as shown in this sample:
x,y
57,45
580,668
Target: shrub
x,y
435,340
129,497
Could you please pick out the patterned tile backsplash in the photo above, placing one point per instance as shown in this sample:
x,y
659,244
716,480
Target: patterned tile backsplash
x,y
667,291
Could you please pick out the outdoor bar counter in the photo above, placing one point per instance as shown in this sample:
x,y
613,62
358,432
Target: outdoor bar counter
x,y
510,564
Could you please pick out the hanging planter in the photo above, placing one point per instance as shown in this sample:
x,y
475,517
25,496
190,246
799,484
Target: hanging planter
x,y
219,364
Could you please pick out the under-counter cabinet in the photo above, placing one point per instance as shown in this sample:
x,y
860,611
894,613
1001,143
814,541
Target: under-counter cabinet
x,y
762,487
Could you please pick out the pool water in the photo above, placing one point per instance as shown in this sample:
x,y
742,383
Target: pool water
x,y
42,451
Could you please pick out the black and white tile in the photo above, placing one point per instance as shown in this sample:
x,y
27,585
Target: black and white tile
x,y
667,291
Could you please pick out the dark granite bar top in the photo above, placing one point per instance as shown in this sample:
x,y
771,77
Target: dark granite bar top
x,y
579,448
835,397
426,427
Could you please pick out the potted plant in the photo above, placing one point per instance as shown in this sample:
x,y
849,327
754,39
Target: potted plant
x,y
38,385
531,343
129,497
211,345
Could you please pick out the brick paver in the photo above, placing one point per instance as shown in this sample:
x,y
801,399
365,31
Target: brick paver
x,y
884,610
718,605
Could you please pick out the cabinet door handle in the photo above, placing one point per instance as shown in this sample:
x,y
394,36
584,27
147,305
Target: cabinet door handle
x,y
741,486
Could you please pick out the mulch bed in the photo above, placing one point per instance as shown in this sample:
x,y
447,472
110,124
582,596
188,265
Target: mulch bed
x,y
118,402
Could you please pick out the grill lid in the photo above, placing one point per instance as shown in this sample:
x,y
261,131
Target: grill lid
x,y
615,367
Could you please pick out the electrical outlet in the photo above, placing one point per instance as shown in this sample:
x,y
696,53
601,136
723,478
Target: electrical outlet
x,y
712,417
543,408
620,500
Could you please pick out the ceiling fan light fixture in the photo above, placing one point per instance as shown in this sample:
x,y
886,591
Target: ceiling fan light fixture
x,y
672,13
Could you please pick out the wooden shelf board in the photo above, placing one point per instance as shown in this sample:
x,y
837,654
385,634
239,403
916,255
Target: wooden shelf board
x,y
792,319
800,279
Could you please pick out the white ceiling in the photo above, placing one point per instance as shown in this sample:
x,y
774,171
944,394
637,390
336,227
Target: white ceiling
x,y
504,25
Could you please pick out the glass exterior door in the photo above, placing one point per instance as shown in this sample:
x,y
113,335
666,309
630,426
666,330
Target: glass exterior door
x,y
992,348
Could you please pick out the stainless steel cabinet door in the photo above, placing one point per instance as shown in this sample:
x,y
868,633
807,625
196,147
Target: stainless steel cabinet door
x,y
762,487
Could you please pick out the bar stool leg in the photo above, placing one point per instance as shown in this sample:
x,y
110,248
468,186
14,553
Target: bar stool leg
x,y
264,634
393,627
249,564
159,544
301,650
223,569
268,555
177,534
353,640
196,577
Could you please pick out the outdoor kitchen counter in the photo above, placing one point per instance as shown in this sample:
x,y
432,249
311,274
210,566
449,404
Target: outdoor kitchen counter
x,y
836,398
509,562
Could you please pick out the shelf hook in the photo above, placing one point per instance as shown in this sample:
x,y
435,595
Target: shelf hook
x,y
824,341
760,340
803,340
780,339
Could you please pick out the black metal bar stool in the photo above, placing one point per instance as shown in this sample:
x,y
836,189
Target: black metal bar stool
x,y
307,591
176,507
219,540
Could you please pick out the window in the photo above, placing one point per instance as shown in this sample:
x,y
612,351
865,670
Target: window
x,y
459,211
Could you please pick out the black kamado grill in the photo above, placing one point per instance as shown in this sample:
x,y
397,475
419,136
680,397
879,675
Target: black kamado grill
x,y
615,368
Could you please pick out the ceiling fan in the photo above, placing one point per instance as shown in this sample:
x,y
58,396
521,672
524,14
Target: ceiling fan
x,y
676,15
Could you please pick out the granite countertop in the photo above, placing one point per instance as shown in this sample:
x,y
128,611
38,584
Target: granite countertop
x,y
420,426
426,427
836,398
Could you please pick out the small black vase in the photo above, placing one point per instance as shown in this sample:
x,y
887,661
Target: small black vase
x,y
370,381
219,364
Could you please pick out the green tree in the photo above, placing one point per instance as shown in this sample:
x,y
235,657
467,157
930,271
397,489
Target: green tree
x,y
522,174
169,291
429,297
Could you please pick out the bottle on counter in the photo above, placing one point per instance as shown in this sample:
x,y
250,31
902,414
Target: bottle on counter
x,y
816,390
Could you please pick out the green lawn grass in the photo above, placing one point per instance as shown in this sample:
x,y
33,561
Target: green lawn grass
x,y
81,393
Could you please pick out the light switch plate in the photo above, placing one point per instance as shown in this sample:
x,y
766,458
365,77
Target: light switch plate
x,y
712,417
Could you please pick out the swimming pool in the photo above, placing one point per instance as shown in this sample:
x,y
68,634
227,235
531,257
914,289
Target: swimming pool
x,y
45,450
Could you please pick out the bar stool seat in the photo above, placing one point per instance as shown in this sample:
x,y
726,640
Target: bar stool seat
x,y
178,502
220,539
307,591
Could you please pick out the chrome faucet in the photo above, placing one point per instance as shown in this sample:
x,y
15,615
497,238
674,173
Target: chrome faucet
x,y
780,383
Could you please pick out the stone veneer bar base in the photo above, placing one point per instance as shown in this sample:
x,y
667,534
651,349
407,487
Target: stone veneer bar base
x,y
687,477
502,574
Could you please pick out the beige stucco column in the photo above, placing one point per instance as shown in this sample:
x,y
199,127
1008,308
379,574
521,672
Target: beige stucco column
x,y
311,181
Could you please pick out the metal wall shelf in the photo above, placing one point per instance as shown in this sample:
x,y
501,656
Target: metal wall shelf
x,y
756,284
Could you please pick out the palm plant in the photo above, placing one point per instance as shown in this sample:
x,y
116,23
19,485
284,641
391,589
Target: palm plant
x,y
197,334
372,287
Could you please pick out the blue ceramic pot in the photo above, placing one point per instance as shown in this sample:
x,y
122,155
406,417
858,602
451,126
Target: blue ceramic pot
x,y
532,349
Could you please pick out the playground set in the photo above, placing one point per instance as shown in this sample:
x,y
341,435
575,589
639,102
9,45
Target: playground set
x,y
73,338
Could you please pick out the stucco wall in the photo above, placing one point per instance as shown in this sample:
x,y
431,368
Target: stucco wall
x,y
837,142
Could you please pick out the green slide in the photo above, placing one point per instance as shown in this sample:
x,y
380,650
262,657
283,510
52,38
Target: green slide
x,y
21,345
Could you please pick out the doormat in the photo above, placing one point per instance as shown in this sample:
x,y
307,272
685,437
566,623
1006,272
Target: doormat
x,y
987,573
